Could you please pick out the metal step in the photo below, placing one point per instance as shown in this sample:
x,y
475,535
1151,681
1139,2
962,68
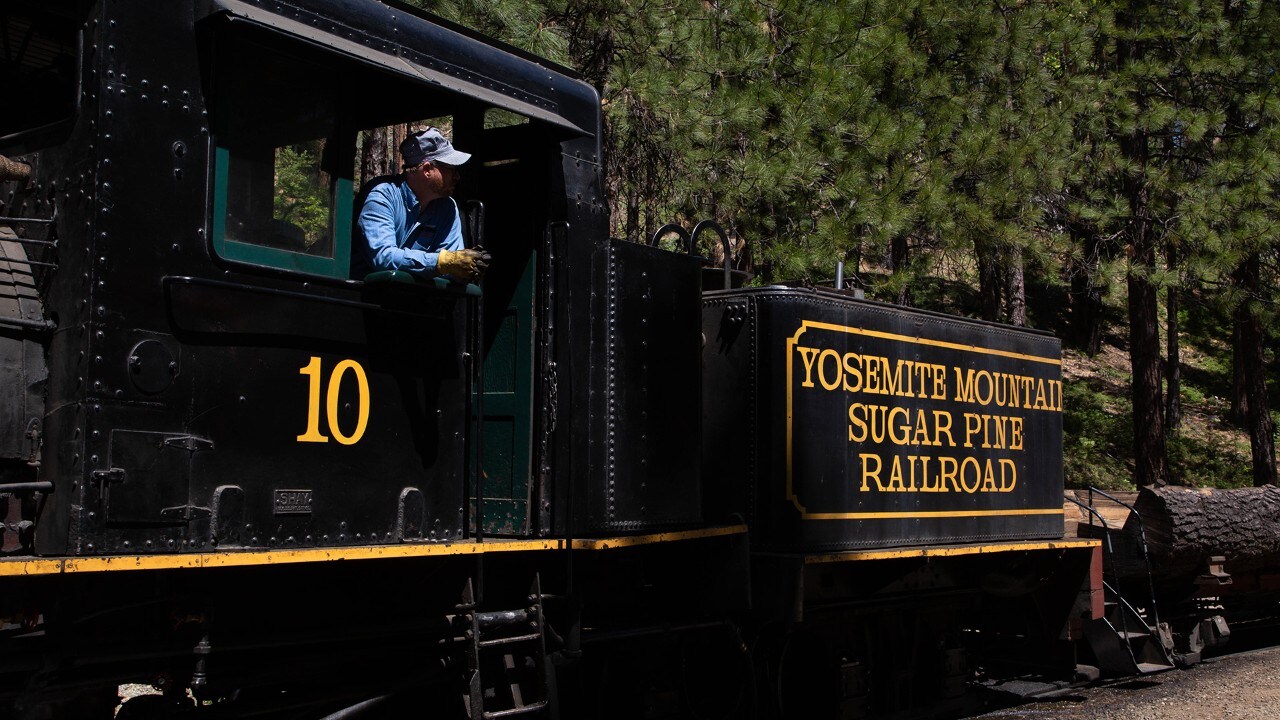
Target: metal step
x,y
479,624
512,712
1148,668
510,640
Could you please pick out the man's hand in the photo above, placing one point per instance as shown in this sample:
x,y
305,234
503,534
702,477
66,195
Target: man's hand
x,y
466,265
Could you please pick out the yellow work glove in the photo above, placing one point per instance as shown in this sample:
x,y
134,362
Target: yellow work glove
x,y
466,265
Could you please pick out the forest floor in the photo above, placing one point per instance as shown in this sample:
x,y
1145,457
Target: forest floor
x,y
1243,686
1205,451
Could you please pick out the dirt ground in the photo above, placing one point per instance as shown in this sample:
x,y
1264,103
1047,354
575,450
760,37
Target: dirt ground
x,y
1238,687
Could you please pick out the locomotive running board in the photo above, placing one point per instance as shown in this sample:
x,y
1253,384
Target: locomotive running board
x,y
949,551
246,558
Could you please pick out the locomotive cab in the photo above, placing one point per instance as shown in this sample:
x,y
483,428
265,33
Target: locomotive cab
x,y
225,373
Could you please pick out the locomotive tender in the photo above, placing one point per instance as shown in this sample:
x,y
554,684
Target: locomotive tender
x,y
235,471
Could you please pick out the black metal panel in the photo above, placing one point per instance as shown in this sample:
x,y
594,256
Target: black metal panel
x,y
877,426
149,480
729,413
402,42
647,366
407,466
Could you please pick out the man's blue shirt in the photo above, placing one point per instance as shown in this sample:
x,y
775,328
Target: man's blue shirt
x,y
399,234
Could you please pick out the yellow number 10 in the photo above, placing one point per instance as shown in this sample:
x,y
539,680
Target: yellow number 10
x,y
312,370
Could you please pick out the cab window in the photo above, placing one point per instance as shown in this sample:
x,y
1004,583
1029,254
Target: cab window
x,y
283,166
39,64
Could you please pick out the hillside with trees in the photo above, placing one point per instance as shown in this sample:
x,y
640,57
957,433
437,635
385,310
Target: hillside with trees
x,y
1102,169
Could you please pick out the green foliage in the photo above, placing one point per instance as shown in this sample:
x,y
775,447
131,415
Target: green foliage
x,y
1097,433
302,190
1199,462
1012,161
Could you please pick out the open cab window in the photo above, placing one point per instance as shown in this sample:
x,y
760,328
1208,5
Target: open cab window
x,y
296,131
283,161
39,66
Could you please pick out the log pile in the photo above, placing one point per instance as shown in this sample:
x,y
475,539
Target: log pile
x,y
1186,526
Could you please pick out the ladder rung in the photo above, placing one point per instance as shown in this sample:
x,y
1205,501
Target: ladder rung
x,y
531,707
1131,635
509,640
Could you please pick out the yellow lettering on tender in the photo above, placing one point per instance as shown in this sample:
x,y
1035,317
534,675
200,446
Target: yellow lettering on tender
x,y
868,472
807,356
852,369
1008,475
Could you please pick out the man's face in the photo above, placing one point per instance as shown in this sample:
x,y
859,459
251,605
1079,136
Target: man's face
x,y
431,181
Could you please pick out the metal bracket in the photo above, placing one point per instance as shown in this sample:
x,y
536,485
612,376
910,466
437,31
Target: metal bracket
x,y
102,478
186,512
1215,575
190,443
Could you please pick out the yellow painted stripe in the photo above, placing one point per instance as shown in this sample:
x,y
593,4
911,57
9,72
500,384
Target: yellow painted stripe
x,y
909,515
302,555
633,541
244,558
949,551
933,343
247,558
12,568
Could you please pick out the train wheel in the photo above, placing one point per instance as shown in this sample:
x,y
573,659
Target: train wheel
x,y
807,677
716,675
154,707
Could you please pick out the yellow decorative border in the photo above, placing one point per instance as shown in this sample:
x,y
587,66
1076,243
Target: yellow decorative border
x,y
248,558
791,495
952,551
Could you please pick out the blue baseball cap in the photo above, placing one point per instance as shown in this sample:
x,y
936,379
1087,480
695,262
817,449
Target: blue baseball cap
x,y
429,144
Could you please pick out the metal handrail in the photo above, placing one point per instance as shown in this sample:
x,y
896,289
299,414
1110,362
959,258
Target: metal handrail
x,y
26,241
8,220
713,226
1124,629
1142,537
672,229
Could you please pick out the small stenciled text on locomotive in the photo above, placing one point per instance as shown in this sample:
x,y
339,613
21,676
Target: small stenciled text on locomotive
x,y
961,433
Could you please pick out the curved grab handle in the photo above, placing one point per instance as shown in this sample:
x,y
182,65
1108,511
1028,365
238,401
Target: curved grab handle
x,y
670,229
724,243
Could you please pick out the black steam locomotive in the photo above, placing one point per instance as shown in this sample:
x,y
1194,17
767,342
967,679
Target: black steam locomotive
x,y
588,488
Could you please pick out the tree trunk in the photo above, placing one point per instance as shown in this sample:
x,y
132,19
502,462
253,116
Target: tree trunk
x,y
988,282
898,264
1239,415
1186,526
1015,293
374,155
1086,297
1173,352
1144,331
1250,351
1150,464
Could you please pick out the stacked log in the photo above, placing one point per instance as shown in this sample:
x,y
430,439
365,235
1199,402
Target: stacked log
x,y
13,170
1187,526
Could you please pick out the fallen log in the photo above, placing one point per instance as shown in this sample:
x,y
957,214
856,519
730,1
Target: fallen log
x,y
1187,526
